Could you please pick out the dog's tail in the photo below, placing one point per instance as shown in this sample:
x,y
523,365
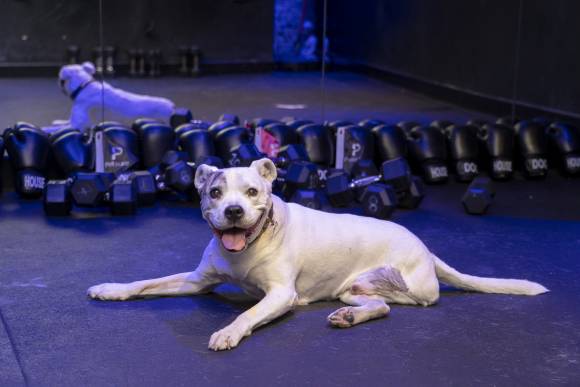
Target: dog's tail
x,y
450,276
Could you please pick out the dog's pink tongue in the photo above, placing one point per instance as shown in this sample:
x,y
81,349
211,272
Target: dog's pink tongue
x,y
234,240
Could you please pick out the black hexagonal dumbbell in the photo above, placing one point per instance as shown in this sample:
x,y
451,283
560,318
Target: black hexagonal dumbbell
x,y
379,200
91,190
396,173
478,196
299,183
174,174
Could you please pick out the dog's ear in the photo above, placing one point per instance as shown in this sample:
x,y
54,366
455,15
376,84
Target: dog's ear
x,y
89,67
265,168
202,174
65,72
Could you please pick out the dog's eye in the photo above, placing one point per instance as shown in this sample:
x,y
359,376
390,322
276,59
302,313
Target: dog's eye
x,y
252,192
215,193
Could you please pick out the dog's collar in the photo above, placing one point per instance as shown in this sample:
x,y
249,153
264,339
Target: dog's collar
x,y
263,224
78,90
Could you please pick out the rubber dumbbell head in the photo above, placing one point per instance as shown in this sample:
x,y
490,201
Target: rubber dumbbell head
x,y
478,196
57,200
379,201
180,116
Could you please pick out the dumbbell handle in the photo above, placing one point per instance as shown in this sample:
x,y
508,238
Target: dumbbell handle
x,y
364,181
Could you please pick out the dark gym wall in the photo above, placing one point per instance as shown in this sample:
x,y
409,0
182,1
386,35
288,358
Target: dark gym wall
x,y
468,45
227,31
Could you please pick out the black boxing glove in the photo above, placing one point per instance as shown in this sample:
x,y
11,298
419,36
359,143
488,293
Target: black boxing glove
x,y
155,140
497,146
197,143
564,142
428,154
354,143
28,149
532,148
390,143
121,149
73,152
317,140
229,139
463,150
1,160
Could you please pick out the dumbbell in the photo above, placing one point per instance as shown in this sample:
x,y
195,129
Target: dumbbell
x,y
175,175
136,62
154,62
395,172
195,61
184,59
109,60
98,60
91,190
73,54
377,199
478,196
299,183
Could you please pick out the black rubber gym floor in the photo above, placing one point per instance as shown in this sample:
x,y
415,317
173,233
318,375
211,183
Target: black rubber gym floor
x,y
52,335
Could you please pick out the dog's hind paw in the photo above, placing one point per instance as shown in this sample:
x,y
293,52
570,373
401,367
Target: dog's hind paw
x,y
110,291
342,318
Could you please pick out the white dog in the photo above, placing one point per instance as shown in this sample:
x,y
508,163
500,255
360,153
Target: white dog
x,y
290,255
78,82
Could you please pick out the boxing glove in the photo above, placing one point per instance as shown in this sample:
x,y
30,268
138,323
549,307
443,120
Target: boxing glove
x,y
532,149
408,125
463,151
507,120
73,152
564,140
319,143
370,123
121,149
227,140
317,140
428,154
28,149
390,143
497,148
354,143
155,140
217,127
284,134
442,125
1,160
196,143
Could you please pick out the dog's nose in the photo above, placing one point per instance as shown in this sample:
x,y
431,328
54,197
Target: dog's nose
x,y
234,213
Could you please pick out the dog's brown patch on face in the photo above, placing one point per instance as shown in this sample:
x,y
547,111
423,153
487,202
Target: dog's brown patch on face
x,y
381,281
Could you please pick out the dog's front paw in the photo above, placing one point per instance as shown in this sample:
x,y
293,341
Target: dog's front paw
x,y
342,318
226,338
113,292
